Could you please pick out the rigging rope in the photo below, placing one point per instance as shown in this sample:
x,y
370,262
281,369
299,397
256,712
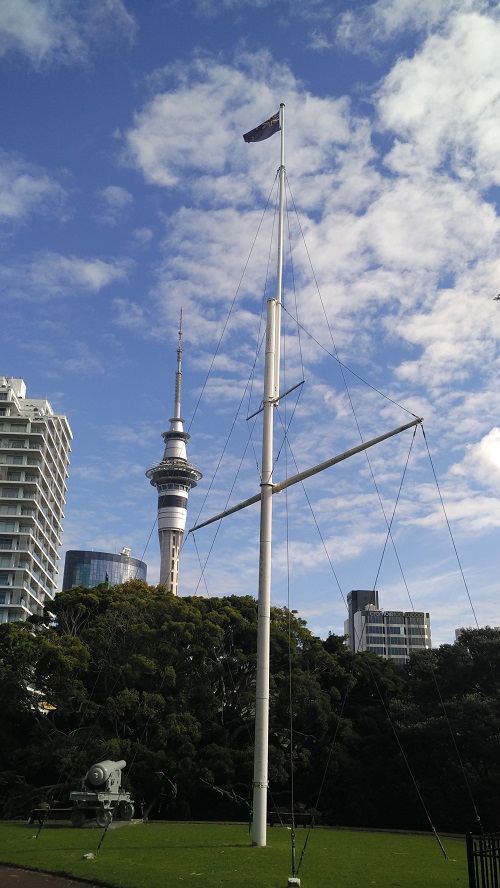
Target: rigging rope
x,y
449,528
231,308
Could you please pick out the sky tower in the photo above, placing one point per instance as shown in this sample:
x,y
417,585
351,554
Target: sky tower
x,y
173,478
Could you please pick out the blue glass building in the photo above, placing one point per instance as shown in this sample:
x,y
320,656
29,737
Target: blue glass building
x,y
89,569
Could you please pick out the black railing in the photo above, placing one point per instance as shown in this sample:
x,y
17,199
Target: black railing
x,y
483,860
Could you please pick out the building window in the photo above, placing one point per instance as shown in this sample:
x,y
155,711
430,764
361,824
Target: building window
x,y
417,618
13,476
4,579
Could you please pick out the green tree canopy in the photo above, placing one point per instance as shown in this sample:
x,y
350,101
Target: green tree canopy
x,y
168,684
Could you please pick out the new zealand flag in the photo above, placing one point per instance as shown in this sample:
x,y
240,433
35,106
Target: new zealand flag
x,y
266,129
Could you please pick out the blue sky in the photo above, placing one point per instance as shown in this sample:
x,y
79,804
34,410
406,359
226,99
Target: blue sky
x,y
127,192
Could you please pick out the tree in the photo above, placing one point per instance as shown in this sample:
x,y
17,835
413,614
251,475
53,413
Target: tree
x,y
168,684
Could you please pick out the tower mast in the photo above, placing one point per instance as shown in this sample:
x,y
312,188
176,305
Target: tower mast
x,y
173,478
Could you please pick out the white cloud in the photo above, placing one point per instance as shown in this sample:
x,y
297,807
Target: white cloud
x,y
25,189
405,249
198,125
381,21
384,239
131,315
471,513
114,201
142,236
318,41
60,31
104,471
456,333
82,362
443,105
116,197
138,436
482,462
50,274
313,9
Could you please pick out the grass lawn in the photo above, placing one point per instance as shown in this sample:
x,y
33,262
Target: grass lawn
x,y
162,855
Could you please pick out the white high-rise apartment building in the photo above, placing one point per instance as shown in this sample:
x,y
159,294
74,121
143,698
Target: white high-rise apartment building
x,y
34,459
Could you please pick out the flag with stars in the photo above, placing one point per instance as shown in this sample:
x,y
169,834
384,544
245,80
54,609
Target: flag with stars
x,y
264,130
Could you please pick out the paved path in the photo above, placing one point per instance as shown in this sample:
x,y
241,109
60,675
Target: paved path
x,y
12,877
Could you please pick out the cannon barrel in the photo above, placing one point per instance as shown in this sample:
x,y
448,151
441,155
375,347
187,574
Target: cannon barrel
x,y
102,771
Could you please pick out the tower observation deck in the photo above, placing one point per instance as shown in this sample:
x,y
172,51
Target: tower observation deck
x,y
173,478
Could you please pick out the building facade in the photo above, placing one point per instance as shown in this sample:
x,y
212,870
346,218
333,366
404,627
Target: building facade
x,y
173,478
34,459
83,568
393,635
358,600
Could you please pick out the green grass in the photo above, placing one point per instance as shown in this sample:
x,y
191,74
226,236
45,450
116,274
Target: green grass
x,y
199,855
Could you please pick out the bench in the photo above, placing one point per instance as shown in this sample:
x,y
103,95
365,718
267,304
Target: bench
x,y
43,814
287,818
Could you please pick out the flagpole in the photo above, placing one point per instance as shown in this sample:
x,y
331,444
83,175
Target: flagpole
x,y
279,271
271,385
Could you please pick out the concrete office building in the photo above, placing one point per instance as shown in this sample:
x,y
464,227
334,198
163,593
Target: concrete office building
x,y
173,478
394,635
34,459
357,601
84,568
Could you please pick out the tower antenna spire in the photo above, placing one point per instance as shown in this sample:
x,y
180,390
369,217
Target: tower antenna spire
x,y
173,478
178,375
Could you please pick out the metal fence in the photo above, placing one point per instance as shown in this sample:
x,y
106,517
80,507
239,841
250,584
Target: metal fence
x,y
483,860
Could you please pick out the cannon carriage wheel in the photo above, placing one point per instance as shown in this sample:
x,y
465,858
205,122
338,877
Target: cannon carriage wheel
x,y
125,810
103,818
77,817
